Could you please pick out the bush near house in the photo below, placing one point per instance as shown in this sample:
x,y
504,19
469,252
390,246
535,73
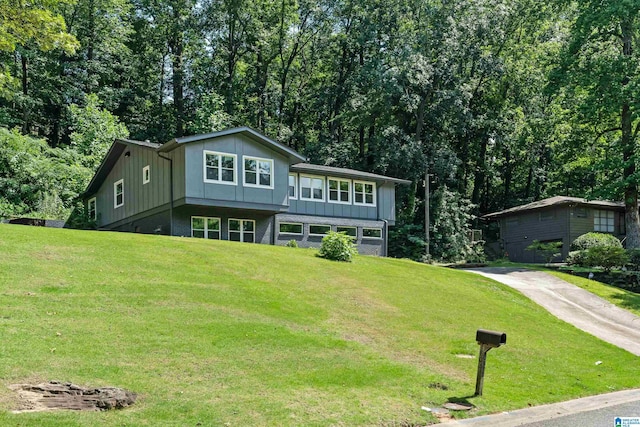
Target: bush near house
x,y
590,240
338,247
598,250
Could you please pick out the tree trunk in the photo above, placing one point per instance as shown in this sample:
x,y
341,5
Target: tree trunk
x,y
25,92
632,221
177,49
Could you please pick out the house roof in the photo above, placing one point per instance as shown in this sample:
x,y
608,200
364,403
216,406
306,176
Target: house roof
x,y
344,173
293,155
555,201
110,159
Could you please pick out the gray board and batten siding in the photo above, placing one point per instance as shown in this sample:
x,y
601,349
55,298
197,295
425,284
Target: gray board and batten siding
x,y
197,191
560,219
146,206
138,197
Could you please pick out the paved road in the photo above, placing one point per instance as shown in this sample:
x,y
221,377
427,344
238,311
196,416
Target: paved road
x,y
596,418
572,304
593,411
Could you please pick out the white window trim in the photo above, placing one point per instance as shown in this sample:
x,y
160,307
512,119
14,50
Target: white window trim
x,y
370,237
229,231
375,190
257,185
115,194
324,189
290,232
319,225
348,226
295,186
349,190
146,174
219,181
206,229
95,208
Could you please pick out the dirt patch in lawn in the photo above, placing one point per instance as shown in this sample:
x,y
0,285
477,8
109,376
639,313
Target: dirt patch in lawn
x,y
58,395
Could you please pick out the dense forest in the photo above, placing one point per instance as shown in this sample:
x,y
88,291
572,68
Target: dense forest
x,y
502,101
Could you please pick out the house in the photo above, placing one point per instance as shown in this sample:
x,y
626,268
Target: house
x,y
238,185
556,219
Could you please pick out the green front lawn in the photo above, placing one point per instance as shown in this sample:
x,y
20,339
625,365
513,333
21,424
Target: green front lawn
x,y
223,333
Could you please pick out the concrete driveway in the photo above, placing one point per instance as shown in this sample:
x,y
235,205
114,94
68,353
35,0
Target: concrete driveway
x,y
572,304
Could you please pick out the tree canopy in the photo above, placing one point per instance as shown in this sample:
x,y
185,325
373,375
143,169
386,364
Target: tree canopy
x,y
504,101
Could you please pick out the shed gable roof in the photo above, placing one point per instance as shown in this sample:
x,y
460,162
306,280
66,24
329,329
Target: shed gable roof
x,y
555,201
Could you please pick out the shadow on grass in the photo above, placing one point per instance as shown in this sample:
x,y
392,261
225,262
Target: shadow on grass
x,y
628,300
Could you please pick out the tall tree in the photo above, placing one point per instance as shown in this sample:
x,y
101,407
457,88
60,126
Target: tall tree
x,y
601,75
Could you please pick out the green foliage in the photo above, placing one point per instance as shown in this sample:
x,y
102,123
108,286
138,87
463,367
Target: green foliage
x,y
549,250
606,257
407,241
93,131
576,258
292,244
338,247
451,226
634,258
590,240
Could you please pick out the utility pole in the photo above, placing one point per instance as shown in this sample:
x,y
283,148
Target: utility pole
x,y
426,208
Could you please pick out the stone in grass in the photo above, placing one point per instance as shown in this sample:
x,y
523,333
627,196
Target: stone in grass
x,y
59,395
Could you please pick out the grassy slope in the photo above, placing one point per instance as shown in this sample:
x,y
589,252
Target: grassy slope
x,y
237,334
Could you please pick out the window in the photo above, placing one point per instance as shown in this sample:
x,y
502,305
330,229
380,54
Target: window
x,y
622,229
258,172
349,231
146,174
364,193
290,228
311,188
319,230
118,193
292,186
204,227
219,167
91,209
372,233
339,190
603,221
242,230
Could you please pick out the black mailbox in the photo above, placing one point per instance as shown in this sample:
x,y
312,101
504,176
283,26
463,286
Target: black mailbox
x,y
491,338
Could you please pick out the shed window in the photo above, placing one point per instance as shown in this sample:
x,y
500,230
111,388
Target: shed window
x,y
258,172
91,209
146,174
242,230
219,167
364,193
603,221
339,190
546,215
581,212
118,193
204,227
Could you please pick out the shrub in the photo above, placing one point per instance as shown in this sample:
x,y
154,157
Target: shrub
x,y
576,257
606,257
549,250
292,244
338,247
634,258
590,240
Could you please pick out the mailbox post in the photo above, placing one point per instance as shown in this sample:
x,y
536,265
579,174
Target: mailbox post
x,y
487,340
